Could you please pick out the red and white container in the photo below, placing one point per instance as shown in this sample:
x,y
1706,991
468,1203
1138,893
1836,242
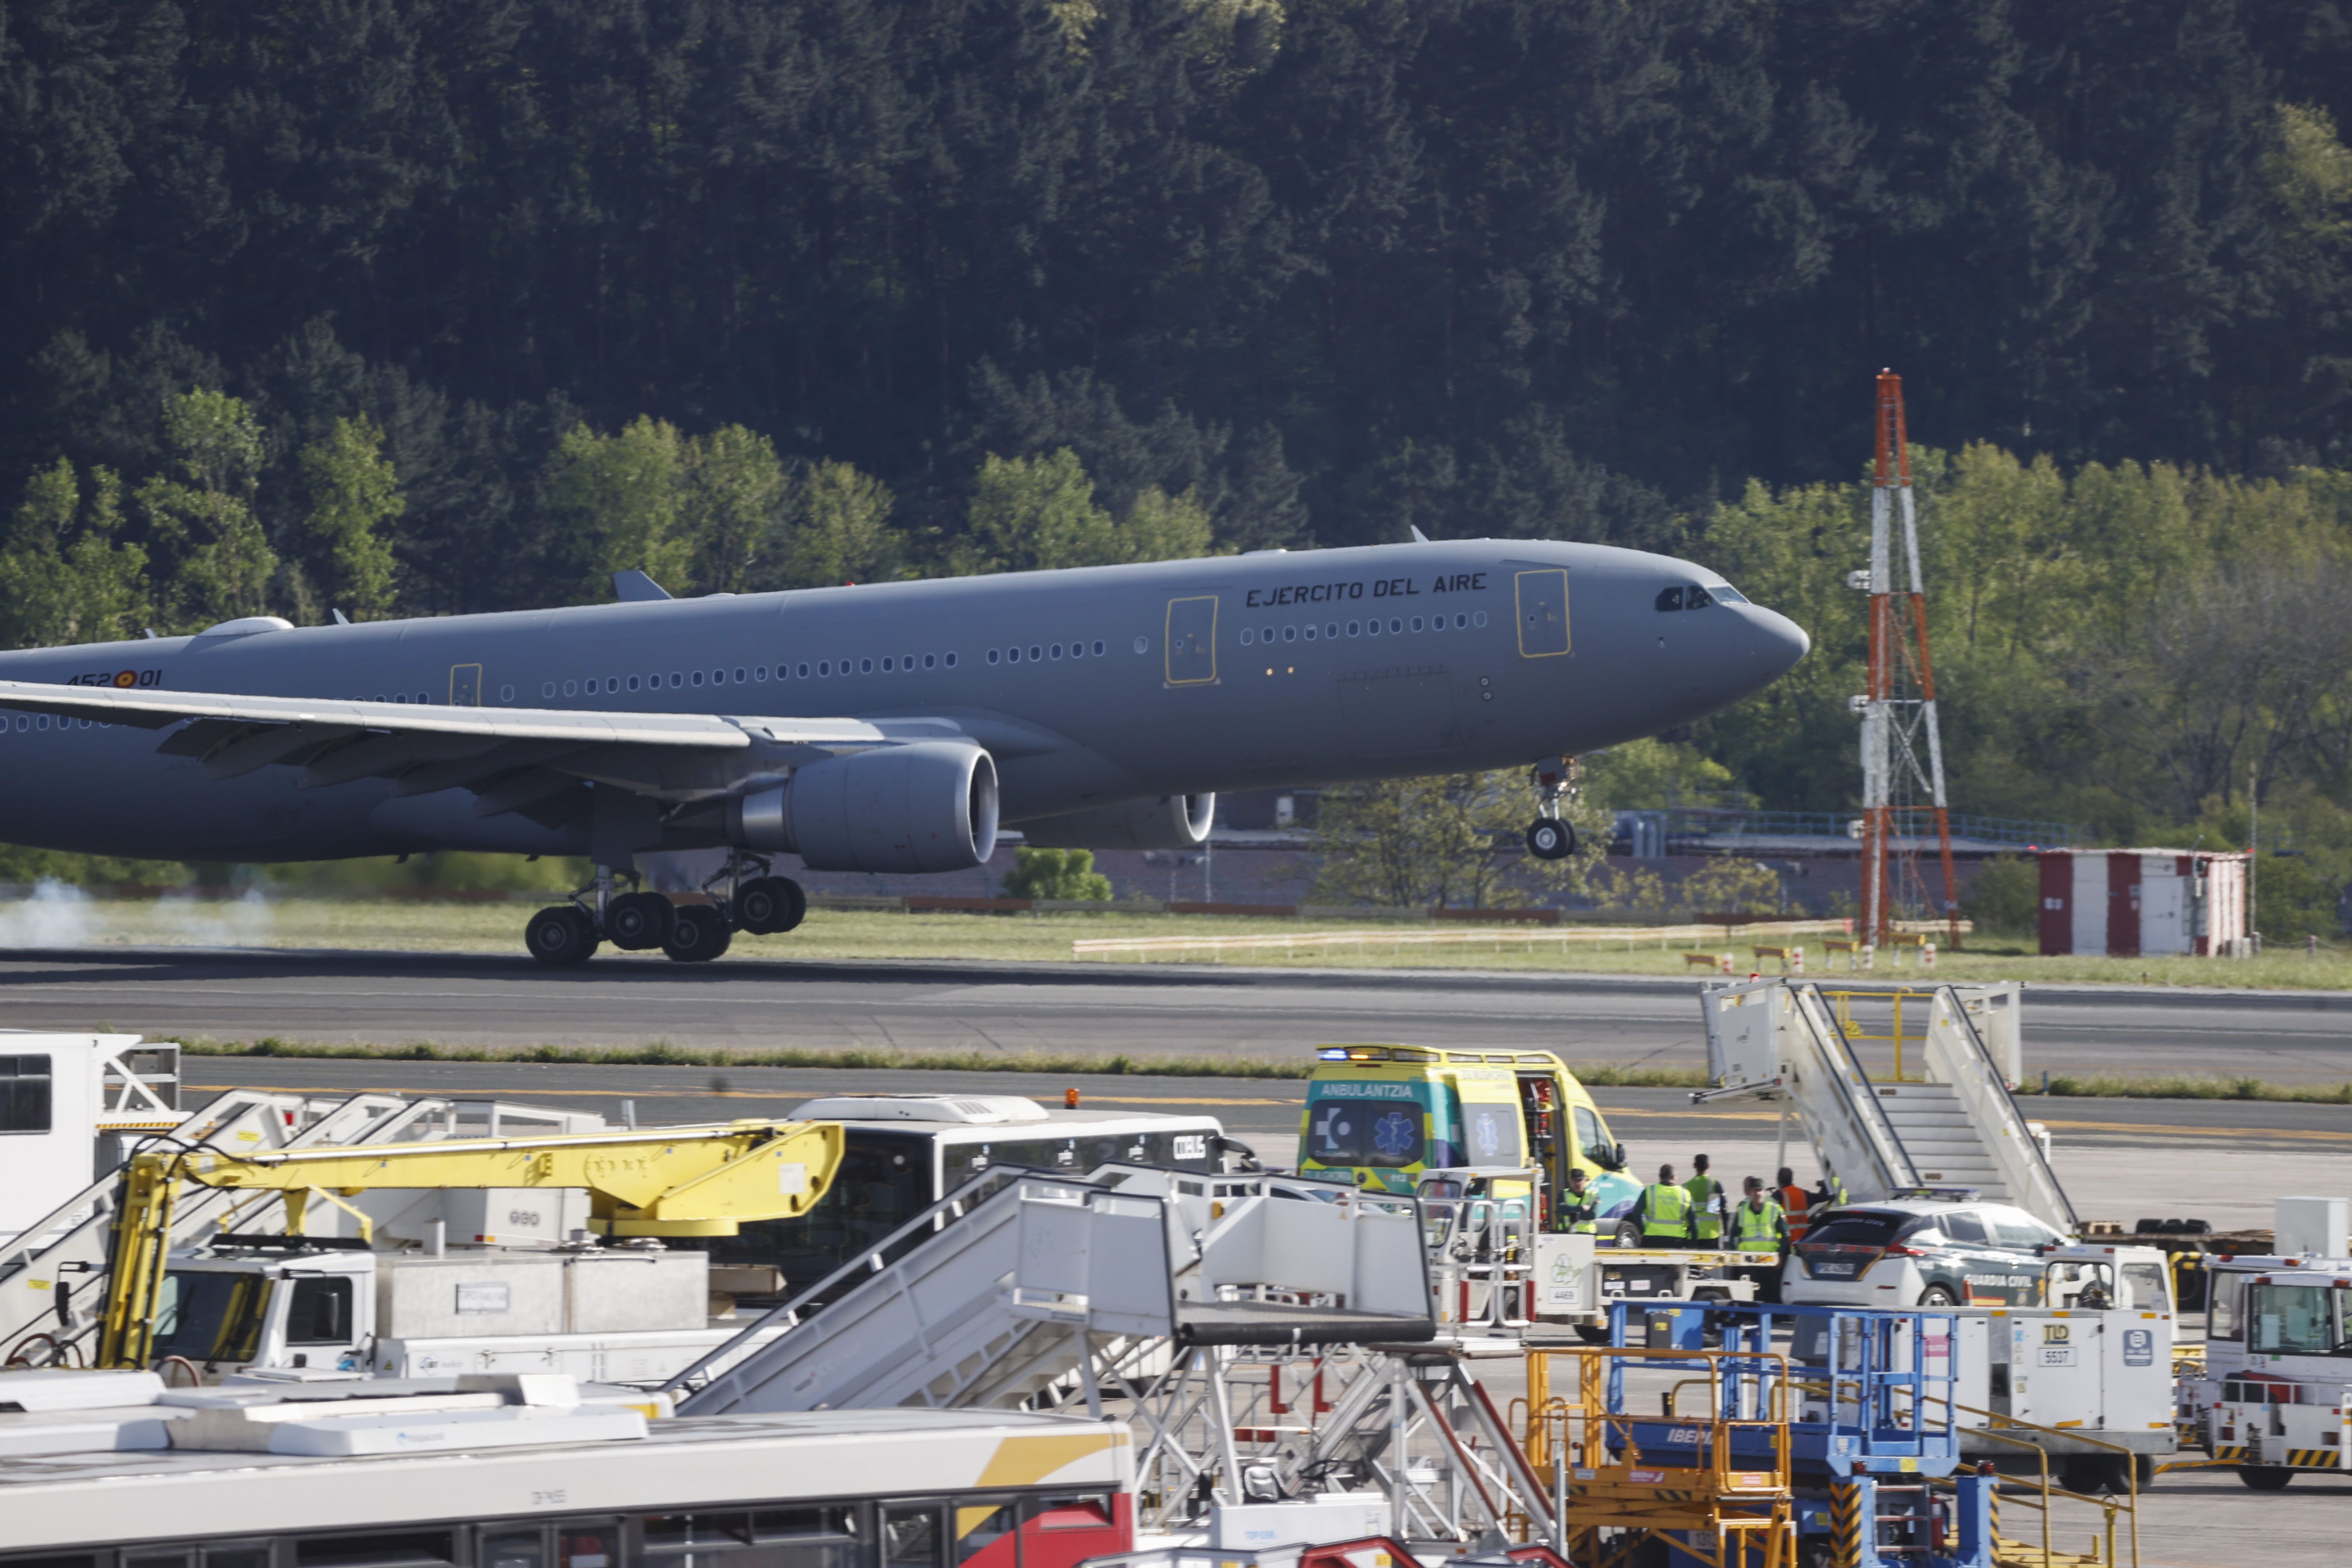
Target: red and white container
x,y
2142,903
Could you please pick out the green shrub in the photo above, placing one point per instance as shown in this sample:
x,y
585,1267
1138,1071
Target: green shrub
x,y
1055,874
2006,896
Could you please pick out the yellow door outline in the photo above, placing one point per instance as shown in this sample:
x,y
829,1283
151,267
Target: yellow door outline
x,y
1167,643
1520,589
465,686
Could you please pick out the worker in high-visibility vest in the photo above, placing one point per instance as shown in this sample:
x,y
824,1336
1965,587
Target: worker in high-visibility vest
x,y
1706,1204
1579,1204
1793,1201
1665,1212
1759,1230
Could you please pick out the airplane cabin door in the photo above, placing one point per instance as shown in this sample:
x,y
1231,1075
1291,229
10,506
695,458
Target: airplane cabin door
x,y
465,686
1192,641
1543,613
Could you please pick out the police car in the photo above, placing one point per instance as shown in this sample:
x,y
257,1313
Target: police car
x,y
1919,1252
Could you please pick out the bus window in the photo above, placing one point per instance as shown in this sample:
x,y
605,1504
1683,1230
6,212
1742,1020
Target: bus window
x,y
510,1549
1062,1532
883,1181
986,1534
422,1548
910,1536
773,1538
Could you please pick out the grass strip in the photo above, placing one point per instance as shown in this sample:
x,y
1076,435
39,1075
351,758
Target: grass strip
x,y
1594,1075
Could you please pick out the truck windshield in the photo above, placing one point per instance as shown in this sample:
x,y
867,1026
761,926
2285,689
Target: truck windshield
x,y
209,1317
2295,1319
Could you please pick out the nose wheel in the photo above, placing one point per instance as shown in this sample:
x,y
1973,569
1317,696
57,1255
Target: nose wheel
x,y
1551,836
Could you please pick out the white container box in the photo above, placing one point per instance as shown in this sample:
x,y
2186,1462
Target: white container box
x,y
2309,1227
1263,1526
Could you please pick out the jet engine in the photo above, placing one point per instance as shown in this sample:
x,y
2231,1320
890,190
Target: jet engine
x,y
1170,822
927,806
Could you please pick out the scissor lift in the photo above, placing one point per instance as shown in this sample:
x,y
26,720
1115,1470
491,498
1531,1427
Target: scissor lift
x,y
1858,1413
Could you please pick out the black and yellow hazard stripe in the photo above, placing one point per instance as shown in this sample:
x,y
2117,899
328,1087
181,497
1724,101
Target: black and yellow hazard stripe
x,y
2229,1453
1845,1524
2311,1458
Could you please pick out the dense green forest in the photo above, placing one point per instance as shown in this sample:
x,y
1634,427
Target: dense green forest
x,y
409,307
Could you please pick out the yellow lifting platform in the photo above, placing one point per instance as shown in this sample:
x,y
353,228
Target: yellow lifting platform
x,y
1721,1485
699,1179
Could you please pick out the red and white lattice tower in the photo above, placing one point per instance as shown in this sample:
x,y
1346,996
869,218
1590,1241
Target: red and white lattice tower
x,y
1900,786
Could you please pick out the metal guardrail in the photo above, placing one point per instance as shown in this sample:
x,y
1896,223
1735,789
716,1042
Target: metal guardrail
x,y
1706,822
1397,941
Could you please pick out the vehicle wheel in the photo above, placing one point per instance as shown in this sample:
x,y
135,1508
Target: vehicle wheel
x,y
697,934
1629,1233
561,936
1551,840
1939,1296
2092,1474
638,921
1592,1333
2265,1477
767,905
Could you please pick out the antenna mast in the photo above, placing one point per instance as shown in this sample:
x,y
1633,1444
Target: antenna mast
x,y
1899,713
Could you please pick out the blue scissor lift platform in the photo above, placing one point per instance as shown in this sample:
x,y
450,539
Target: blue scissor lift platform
x,y
1872,1429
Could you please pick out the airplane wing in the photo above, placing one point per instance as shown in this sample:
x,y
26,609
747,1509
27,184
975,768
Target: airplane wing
x,y
511,757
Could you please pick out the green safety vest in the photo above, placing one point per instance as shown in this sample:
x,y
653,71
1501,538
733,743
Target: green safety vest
x,y
1665,1208
1758,1230
1586,1203
1705,1223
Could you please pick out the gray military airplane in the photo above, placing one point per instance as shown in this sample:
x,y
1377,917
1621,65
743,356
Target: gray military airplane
x,y
889,727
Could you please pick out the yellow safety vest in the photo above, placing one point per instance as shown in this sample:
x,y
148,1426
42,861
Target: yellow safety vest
x,y
1758,1230
1665,1207
1704,1221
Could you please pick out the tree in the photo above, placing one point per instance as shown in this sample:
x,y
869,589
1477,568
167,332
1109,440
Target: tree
x,y
2006,897
840,529
733,509
354,498
1060,874
1443,840
66,575
1732,888
213,562
619,502
1034,513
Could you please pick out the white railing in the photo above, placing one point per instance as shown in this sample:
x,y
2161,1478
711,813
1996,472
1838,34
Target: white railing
x,y
1397,941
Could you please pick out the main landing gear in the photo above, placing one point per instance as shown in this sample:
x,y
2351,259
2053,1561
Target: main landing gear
x,y
1550,838
570,933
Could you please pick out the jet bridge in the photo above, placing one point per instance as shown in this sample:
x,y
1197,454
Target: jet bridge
x,y
1025,1279
1939,1116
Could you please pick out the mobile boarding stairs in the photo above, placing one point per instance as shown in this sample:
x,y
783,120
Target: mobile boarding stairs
x,y
1025,1280
1939,1116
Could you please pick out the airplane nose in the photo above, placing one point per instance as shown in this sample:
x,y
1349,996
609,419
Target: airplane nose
x,y
1779,641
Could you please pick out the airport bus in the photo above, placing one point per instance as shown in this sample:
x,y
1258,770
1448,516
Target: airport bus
x,y
429,1483
903,1152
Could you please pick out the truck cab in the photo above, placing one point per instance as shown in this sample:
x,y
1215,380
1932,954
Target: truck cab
x,y
1380,1116
302,1302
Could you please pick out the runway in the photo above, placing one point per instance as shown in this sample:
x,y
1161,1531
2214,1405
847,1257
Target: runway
x,y
1201,1011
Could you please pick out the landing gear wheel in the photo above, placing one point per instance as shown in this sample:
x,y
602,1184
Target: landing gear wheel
x,y
1938,1296
2265,1477
561,936
697,934
636,921
767,905
1551,840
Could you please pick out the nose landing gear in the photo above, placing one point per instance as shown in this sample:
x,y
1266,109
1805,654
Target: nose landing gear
x,y
1551,836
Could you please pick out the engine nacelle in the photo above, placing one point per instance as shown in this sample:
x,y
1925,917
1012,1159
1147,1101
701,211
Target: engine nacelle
x,y
927,806
1170,822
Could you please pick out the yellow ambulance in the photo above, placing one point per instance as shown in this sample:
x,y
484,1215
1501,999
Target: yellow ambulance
x,y
1379,1116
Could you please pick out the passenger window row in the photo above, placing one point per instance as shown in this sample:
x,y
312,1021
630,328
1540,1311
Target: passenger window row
x,y
1395,625
1039,653
679,680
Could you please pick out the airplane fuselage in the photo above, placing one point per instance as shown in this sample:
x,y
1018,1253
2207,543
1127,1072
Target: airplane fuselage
x,y
1086,687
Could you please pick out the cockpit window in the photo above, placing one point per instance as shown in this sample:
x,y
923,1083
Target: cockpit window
x,y
1724,594
1670,598
1697,598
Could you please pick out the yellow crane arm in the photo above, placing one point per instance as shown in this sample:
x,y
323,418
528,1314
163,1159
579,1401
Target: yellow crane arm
x,y
703,1180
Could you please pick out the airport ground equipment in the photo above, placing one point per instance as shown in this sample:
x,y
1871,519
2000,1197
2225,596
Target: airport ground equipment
x,y
674,1181
2274,1394
67,1104
1938,1117
53,1277
101,1468
1025,1279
